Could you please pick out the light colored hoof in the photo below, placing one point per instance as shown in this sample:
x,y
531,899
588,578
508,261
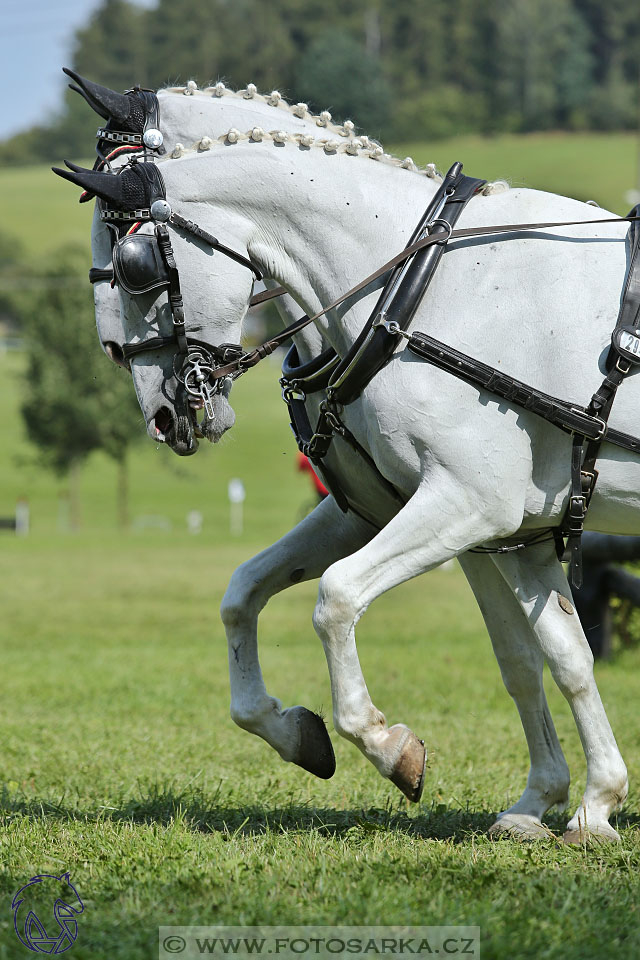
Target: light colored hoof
x,y
408,773
315,750
603,834
518,826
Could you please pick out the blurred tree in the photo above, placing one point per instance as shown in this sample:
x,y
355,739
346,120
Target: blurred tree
x,y
338,74
12,268
113,47
404,69
75,401
539,43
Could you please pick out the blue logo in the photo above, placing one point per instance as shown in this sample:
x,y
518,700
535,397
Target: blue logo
x,y
44,914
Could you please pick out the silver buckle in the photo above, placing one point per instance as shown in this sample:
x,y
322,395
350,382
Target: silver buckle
x,y
603,426
291,392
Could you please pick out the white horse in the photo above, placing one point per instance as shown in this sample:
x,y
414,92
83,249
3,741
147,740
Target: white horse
x,y
471,472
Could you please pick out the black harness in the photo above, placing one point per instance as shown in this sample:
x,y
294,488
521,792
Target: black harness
x,y
343,380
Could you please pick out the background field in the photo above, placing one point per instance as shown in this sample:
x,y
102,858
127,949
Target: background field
x,y
120,762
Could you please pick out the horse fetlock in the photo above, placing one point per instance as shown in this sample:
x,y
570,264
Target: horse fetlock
x,y
253,715
360,726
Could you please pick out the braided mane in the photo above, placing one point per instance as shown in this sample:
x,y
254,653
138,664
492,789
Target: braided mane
x,y
343,140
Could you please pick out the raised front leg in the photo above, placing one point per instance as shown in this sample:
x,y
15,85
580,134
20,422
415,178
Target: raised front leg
x,y
521,661
538,582
427,531
298,735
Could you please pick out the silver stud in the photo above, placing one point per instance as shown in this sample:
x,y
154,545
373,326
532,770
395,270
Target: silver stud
x,y
152,138
160,210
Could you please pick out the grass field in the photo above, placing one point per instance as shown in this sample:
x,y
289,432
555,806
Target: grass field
x,y
121,765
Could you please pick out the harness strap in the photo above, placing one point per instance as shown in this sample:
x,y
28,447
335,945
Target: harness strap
x,y
252,358
175,294
584,475
201,234
97,274
404,289
569,417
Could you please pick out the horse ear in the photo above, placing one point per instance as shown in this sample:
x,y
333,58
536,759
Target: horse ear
x,y
103,185
107,103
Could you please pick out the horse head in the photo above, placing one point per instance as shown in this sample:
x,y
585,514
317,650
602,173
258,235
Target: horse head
x,y
158,261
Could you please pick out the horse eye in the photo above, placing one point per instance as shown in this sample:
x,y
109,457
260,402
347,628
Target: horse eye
x,y
114,352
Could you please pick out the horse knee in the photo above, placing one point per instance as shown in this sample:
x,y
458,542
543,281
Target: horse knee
x,y
336,603
240,599
574,672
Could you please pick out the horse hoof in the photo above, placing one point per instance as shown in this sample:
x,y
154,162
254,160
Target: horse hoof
x,y
603,834
408,773
315,751
518,826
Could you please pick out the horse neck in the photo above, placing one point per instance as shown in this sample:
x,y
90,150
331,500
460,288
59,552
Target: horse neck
x,y
319,223
187,119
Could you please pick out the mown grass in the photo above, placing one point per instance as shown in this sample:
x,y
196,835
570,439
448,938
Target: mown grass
x,y
121,765
120,762
586,166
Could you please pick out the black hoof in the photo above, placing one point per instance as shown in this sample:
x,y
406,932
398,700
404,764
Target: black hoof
x,y
315,752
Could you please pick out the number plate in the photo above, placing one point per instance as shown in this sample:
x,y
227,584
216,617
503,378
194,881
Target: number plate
x,y
627,341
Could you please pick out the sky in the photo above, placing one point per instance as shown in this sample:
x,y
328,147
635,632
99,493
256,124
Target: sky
x,y
36,38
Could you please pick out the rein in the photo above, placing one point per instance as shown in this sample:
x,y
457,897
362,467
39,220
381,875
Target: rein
x,y
441,235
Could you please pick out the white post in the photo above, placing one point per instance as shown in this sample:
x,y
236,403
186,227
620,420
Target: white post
x,y
22,517
194,522
237,497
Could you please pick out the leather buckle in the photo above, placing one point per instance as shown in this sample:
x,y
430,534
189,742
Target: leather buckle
x,y
291,392
623,370
602,432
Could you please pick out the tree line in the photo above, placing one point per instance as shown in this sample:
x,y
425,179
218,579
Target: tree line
x,y
403,71
73,400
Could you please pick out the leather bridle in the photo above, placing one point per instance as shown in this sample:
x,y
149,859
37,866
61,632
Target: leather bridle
x,y
195,362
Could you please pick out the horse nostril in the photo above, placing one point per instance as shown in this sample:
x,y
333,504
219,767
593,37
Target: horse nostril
x,y
114,352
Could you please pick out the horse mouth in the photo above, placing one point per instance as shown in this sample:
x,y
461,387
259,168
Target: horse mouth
x,y
176,430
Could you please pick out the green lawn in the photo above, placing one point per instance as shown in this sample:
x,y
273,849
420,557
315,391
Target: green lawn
x,y
120,762
587,166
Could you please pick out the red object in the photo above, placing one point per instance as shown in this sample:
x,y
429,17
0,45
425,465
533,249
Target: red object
x,y
305,466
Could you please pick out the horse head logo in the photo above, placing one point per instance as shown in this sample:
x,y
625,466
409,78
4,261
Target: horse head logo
x,y
44,913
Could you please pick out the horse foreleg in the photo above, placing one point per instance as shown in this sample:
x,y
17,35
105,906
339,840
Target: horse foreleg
x,y
427,531
521,662
540,586
298,735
